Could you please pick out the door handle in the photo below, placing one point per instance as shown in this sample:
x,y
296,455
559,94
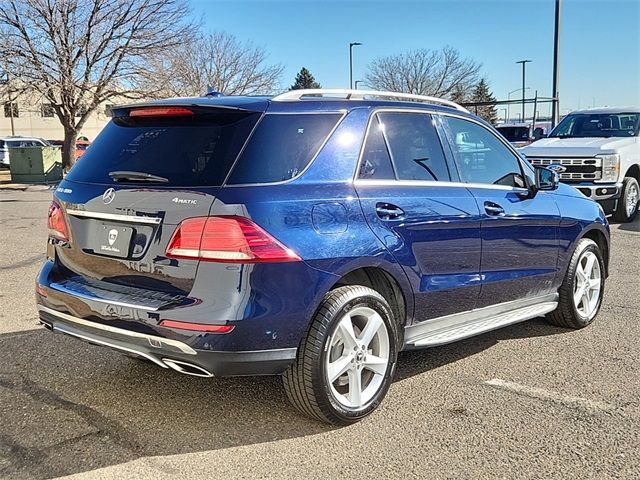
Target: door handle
x,y
493,209
388,211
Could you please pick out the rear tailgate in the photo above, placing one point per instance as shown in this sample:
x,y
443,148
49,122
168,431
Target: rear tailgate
x,y
120,228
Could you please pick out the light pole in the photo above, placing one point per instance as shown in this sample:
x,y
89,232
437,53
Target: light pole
x,y
523,62
351,45
357,82
555,104
509,97
505,114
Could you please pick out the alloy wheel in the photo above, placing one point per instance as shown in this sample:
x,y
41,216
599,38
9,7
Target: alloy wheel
x,y
587,285
631,200
358,356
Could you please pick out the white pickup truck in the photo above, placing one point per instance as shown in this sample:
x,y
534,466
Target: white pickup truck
x,y
600,150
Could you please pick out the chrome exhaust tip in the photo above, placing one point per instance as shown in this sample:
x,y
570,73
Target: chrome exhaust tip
x,y
187,368
46,325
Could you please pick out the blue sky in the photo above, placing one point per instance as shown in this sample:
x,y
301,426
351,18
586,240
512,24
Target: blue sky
x,y
600,40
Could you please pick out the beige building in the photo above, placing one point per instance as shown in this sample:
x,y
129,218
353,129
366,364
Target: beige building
x,y
33,116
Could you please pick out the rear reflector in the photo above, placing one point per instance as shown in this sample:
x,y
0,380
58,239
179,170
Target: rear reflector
x,y
231,239
56,223
198,327
160,112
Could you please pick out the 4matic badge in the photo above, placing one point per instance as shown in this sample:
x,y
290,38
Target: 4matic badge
x,y
184,201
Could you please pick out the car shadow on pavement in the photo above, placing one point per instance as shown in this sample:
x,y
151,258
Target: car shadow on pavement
x,y
628,227
68,407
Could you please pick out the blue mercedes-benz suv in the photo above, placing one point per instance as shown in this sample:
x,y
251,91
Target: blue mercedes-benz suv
x,y
314,235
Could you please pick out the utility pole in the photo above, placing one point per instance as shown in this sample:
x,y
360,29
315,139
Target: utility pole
x,y
523,62
555,104
351,45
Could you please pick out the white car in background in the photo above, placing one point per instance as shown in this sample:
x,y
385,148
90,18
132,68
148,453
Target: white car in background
x,y
600,150
7,143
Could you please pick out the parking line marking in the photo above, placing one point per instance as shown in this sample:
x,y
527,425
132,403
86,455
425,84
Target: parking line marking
x,y
555,397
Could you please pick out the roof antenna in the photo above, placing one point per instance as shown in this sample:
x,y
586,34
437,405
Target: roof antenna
x,y
211,92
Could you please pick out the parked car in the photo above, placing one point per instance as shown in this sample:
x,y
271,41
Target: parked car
x,y
522,134
601,152
313,235
81,146
7,143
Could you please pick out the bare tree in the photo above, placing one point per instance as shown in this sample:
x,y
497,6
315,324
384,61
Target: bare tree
x,y
218,60
425,72
79,54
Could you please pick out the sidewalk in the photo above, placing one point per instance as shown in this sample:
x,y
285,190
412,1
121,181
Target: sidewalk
x,y
6,185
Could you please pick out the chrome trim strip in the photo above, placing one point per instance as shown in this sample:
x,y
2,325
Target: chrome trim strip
x,y
419,334
104,343
73,293
152,339
115,216
431,183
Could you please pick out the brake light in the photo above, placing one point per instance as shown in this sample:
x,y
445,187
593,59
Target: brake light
x,y
231,239
198,327
160,112
56,223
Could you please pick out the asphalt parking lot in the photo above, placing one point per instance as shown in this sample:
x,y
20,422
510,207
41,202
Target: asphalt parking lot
x,y
528,401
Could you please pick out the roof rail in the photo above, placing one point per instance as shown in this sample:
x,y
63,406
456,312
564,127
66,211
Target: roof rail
x,y
294,95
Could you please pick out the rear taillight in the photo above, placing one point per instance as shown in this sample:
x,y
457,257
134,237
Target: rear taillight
x,y
56,223
230,239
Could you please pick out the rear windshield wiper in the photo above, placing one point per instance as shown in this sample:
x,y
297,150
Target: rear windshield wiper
x,y
137,176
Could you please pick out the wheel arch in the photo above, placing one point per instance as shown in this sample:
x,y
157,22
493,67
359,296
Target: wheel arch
x,y
396,292
602,240
633,171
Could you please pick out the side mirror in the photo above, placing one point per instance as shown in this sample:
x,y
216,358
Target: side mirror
x,y
548,178
538,133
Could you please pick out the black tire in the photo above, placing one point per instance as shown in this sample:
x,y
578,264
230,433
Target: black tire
x,y
567,314
305,380
622,211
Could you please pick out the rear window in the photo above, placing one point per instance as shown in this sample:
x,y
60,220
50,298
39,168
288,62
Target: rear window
x,y
191,151
282,146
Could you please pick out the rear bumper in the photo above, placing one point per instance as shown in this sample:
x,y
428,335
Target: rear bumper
x,y
169,353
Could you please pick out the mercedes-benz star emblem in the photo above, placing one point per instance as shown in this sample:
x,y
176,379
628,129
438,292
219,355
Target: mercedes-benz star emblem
x,y
108,196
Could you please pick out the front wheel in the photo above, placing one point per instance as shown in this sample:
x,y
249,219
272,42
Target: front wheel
x,y
582,289
346,363
627,209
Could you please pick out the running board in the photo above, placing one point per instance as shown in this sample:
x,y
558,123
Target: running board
x,y
439,331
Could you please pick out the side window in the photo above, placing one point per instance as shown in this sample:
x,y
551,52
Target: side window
x,y
282,146
376,162
414,146
481,157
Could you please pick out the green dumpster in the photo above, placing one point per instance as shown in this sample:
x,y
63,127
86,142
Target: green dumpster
x,y
36,164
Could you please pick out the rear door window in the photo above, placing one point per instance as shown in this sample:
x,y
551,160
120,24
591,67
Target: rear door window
x,y
282,146
376,162
414,146
193,151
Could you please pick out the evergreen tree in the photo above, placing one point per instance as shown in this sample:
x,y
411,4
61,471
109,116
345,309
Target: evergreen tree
x,y
482,94
304,79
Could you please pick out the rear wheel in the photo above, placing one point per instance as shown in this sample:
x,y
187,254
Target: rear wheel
x,y
628,204
582,289
345,364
